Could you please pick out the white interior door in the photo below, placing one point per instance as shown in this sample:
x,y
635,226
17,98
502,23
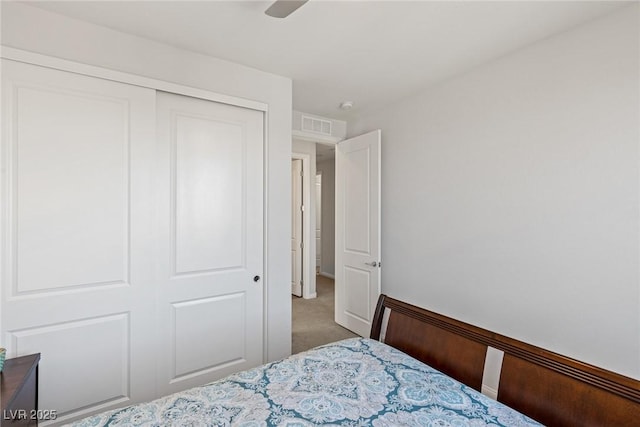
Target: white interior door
x,y
296,227
78,243
210,299
357,281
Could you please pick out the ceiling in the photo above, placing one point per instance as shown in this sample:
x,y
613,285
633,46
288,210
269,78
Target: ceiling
x,y
370,52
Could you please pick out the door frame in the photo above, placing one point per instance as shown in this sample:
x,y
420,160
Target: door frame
x,y
318,265
297,215
20,55
308,279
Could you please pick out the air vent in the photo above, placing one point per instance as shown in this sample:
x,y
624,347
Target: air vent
x,y
310,124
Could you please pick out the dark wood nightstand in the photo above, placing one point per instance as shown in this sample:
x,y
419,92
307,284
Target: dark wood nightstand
x,y
19,391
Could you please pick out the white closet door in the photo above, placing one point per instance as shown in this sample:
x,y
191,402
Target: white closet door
x,y
77,254
210,302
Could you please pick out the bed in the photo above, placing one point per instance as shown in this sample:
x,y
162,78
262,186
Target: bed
x,y
417,368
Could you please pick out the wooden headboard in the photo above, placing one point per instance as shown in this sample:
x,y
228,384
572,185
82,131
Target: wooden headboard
x,y
550,388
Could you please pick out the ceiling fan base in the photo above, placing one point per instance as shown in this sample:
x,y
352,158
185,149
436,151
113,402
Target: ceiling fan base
x,y
284,8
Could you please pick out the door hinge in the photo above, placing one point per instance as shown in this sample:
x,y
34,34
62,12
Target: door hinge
x,y
301,245
301,208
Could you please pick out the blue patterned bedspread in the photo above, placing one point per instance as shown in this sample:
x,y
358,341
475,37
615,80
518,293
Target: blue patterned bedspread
x,y
355,382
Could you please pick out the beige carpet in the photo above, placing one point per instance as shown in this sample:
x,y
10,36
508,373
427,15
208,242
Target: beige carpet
x,y
313,323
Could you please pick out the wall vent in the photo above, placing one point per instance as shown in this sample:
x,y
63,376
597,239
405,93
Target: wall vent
x,y
310,124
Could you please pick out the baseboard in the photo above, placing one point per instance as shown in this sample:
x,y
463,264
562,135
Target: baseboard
x,y
312,296
328,275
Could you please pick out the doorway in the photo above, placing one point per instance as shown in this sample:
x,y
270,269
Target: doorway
x,y
325,168
314,318
350,218
302,222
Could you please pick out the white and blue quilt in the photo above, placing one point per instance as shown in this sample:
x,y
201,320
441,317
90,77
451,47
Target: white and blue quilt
x,y
355,382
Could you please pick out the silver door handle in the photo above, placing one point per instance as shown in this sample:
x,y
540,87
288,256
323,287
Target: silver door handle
x,y
372,264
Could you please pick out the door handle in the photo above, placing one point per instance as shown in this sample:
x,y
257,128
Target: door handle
x,y
372,264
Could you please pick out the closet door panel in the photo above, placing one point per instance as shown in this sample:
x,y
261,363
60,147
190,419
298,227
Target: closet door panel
x,y
211,292
109,367
77,225
71,175
209,193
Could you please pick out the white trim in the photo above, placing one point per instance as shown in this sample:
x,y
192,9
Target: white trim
x,y
132,79
265,241
307,262
318,263
314,137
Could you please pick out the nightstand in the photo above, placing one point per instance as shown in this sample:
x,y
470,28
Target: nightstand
x,y
19,391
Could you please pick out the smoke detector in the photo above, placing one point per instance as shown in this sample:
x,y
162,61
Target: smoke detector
x,y
346,105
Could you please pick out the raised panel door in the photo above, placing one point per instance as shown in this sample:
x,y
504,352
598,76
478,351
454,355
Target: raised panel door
x,y
77,254
211,251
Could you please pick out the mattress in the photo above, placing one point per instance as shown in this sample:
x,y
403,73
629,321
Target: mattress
x,y
354,382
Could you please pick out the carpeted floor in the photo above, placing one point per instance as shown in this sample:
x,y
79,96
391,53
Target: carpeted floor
x,y
313,323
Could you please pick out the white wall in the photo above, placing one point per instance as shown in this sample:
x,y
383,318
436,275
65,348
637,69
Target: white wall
x,y
309,200
328,219
511,194
28,28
